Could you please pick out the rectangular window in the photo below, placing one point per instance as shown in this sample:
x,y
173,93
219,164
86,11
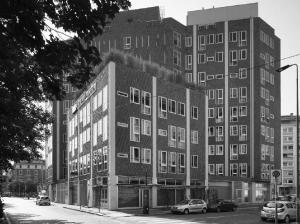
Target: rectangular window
x,y
181,162
233,57
211,150
219,134
219,150
234,131
66,105
211,169
211,39
234,114
146,127
188,41
162,107
95,102
243,111
211,94
211,131
220,169
243,133
243,169
243,38
201,78
188,62
194,161
219,56
105,128
172,136
105,98
177,39
189,77
181,137
243,54
172,164
195,112
219,38
201,43
181,108
234,151
146,156
211,112
201,58
233,36
127,42
95,134
194,139
146,103
233,169
219,99
219,114
234,93
99,99
263,152
134,95
172,106
243,95
243,73
135,154
177,58
163,161
243,149
88,113
134,129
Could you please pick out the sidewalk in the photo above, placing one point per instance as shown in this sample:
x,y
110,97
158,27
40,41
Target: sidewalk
x,y
118,213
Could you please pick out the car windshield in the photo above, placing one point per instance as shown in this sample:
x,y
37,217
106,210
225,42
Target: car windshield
x,y
272,205
184,202
45,198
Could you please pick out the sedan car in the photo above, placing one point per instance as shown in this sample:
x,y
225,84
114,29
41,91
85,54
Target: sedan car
x,y
286,211
42,200
190,205
223,205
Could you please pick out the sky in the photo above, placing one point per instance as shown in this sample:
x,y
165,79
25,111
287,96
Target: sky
x,y
282,15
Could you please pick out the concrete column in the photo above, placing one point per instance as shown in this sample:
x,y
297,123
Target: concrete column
x,y
112,190
188,143
154,142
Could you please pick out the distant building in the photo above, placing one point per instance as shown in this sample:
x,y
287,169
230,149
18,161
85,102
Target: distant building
x,y
288,155
28,174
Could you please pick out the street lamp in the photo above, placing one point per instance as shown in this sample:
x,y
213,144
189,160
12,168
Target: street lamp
x,y
297,137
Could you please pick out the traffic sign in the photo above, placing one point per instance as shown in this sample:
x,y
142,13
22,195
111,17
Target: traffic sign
x,y
276,176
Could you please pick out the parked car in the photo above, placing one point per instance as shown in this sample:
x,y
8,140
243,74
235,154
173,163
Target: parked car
x,y
291,197
42,200
190,205
286,211
223,206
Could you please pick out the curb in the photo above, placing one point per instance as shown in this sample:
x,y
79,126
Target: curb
x,y
74,209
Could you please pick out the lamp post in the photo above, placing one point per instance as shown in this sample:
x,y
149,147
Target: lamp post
x,y
297,137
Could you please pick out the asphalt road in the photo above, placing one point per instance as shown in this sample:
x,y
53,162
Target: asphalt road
x,y
23,211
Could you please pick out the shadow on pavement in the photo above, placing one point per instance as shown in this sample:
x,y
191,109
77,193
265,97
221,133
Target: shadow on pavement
x,y
23,218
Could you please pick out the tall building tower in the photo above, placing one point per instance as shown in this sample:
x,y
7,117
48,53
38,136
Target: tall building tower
x,y
235,54
288,154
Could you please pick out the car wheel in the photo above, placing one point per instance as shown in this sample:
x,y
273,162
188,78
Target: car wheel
x,y
218,209
186,211
287,219
263,219
204,210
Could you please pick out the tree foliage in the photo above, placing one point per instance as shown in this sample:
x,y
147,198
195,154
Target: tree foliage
x,y
34,55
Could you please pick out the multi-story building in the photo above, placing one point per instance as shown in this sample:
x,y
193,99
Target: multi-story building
x,y
28,174
132,134
233,53
288,154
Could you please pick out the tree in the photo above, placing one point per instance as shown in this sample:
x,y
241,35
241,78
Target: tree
x,y
35,52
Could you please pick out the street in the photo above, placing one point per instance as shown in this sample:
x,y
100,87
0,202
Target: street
x,y
22,211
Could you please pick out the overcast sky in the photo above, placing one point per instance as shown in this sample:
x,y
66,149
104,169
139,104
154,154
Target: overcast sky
x,y
282,15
